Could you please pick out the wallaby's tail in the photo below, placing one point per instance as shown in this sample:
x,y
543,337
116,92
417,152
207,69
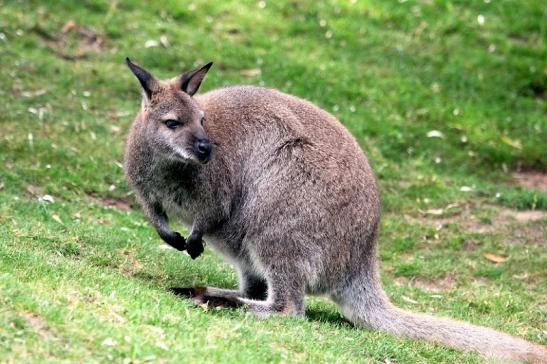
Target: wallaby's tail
x,y
456,334
371,308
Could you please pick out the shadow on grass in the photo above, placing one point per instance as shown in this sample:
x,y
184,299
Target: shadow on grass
x,y
327,316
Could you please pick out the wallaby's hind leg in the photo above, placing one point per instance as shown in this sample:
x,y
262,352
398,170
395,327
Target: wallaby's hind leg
x,y
252,286
285,296
286,282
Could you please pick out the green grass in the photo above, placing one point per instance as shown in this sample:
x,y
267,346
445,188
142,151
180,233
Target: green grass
x,y
80,281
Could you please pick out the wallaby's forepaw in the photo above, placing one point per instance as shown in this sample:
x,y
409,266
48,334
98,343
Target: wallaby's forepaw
x,y
176,240
194,246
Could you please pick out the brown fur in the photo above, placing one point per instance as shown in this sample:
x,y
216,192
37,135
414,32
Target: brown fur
x,y
287,197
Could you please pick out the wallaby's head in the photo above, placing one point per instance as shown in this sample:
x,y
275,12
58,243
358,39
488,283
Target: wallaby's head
x,y
171,120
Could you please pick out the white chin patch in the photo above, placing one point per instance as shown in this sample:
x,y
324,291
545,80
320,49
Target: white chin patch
x,y
181,153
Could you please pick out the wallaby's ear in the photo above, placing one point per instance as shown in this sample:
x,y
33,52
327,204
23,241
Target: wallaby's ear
x,y
148,82
190,81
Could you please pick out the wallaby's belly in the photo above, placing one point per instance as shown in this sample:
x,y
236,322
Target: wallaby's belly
x,y
229,251
179,213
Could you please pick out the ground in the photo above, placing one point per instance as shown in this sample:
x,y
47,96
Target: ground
x,y
446,98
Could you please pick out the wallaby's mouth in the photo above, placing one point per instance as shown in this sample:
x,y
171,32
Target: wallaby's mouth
x,y
203,160
199,153
193,157
190,157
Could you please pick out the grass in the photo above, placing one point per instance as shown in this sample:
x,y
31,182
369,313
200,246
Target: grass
x,y
84,278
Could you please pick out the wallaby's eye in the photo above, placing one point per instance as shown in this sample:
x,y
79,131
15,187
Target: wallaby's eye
x,y
172,124
202,120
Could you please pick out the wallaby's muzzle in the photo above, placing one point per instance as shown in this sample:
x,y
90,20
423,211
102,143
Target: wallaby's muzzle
x,y
202,150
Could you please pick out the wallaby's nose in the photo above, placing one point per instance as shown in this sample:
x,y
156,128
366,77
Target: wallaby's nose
x,y
203,150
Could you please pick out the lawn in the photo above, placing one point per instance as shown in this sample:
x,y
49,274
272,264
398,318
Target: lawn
x,y
447,98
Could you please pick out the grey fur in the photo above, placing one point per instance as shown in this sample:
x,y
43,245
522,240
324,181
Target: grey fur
x,y
289,199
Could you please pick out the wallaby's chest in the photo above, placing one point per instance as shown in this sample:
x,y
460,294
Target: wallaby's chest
x,y
177,191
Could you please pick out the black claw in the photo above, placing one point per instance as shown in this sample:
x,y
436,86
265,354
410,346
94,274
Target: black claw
x,y
179,242
176,240
194,249
194,244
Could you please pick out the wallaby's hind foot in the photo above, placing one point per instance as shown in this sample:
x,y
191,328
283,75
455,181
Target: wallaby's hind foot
x,y
215,297
225,298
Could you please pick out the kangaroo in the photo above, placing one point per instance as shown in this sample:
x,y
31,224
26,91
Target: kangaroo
x,y
281,190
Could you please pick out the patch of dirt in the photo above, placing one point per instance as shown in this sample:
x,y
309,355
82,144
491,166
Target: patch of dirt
x,y
443,284
531,179
116,203
399,281
469,245
130,264
534,233
525,216
34,321
480,281
439,285
516,227
474,225
73,41
120,203
114,316
34,191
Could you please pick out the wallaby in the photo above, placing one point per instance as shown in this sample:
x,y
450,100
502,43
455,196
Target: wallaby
x,y
281,190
